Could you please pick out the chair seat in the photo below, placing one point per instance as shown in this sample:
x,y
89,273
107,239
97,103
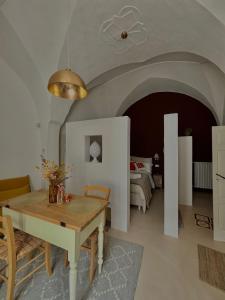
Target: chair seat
x,y
87,244
24,243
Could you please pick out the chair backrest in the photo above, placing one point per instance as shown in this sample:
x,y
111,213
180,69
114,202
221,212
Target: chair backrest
x,y
8,240
13,187
97,191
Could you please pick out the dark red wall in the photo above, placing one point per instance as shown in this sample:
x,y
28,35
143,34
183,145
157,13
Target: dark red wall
x,y
147,124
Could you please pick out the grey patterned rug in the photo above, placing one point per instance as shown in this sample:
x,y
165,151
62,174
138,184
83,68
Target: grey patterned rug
x,y
117,281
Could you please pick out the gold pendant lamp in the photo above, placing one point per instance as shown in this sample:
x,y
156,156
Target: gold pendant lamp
x,y
66,83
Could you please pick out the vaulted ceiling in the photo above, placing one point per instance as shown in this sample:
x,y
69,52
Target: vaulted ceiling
x,y
33,40
155,27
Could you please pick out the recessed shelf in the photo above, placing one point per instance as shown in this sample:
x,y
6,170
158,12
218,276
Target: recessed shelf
x,y
93,149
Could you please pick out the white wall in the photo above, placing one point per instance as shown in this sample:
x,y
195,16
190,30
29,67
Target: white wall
x,y
171,175
20,146
185,170
114,169
115,96
34,37
187,77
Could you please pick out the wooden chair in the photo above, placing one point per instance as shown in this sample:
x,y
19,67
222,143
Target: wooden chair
x,y
91,244
16,246
12,187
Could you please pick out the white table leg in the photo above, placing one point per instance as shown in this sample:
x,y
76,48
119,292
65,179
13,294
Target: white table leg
x,y
73,280
73,257
100,246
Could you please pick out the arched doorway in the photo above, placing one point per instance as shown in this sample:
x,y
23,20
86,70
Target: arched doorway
x,y
147,124
147,133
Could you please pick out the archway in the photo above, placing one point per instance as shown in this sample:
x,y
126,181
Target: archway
x,y
147,134
157,85
147,124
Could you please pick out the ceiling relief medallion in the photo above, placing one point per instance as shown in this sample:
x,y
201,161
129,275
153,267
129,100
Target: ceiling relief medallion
x,y
124,30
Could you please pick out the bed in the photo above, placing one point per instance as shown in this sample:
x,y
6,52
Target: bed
x,y
141,182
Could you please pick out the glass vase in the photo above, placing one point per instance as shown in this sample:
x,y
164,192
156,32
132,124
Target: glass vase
x,y
52,193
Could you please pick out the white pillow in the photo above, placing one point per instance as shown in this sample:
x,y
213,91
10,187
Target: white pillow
x,y
147,162
135,175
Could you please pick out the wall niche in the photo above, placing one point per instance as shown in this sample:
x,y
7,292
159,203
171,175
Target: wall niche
x,y
93,148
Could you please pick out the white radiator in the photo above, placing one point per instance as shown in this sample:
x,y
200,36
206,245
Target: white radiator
x,y
203,175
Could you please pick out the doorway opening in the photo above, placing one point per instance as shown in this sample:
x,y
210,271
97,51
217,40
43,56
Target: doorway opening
x,y
147,143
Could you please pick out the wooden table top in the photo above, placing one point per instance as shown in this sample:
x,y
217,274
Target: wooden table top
x,y
76,214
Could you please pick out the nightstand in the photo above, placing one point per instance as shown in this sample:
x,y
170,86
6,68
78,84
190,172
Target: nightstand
x,y
158,179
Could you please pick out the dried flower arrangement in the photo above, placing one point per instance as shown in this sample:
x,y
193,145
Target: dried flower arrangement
x,y
55,175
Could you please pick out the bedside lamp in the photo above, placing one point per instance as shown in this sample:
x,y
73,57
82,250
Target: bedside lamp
x,y
157,176
156,160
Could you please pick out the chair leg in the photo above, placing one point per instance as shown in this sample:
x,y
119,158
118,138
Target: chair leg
x,y
92,259
66,261
11,281
48,264
106,241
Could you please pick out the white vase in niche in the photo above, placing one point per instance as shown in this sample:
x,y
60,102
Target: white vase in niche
x,y
95,151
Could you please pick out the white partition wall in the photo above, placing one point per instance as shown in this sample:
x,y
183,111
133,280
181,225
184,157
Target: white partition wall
x,y
185,170
112,170
171,175
218,142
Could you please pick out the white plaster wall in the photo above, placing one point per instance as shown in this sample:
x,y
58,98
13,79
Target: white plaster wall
x,y
39,31
171,26
41,26
115,96
20,145
34,37
185,170
217,8
114,169
171,175
216,82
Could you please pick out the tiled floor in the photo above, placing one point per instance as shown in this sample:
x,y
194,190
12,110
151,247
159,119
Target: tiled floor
x,y
170,267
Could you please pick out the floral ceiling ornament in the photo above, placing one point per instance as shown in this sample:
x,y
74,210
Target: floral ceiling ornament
x,y
128,20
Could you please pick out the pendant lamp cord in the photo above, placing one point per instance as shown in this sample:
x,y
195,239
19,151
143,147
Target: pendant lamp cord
x,y
67,37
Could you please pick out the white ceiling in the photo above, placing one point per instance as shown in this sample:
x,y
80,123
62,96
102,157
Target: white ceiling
x,y
33,37
1,2
168,26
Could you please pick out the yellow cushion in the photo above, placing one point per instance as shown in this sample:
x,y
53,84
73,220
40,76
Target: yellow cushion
x,y
13,183
14,192
13,187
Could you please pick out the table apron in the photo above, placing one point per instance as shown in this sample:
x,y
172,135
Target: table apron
x,y
87,231
53,233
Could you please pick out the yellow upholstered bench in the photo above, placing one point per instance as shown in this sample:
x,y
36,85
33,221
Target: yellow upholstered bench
x,y
13,187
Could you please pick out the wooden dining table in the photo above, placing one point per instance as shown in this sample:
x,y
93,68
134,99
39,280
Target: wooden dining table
x,y
67,225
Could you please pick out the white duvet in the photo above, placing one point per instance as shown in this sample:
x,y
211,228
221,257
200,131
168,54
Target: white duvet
x,y
136,175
